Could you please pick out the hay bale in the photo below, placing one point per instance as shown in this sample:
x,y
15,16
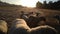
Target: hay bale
x,y
3,27
19,26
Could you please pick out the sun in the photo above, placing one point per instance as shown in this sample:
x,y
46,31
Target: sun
x,y
28,3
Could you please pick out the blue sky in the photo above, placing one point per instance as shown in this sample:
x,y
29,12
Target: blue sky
x,y
21,2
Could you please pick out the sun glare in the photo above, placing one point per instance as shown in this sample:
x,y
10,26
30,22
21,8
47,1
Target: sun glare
x,y
28,3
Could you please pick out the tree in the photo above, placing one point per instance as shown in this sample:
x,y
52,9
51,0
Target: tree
x,y
58,0
39,4
50,4
44,4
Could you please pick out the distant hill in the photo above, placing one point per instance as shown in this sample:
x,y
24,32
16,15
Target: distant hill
x,y
7,6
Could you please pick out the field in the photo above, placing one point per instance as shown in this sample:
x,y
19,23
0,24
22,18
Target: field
x,y
10,13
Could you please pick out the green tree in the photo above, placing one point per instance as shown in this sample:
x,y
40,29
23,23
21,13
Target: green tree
x,y
39,4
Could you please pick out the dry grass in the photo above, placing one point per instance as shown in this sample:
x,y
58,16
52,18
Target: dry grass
x,y
10,13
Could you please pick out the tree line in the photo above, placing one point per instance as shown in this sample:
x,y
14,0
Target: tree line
x,y
49,5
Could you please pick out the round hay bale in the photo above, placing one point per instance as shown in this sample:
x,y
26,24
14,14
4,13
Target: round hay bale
x,y
3,27
43,30
19,26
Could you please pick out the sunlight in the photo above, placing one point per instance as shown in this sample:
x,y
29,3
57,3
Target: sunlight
x,y
28,3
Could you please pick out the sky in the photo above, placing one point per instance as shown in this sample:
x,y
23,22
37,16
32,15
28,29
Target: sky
x,y
28,3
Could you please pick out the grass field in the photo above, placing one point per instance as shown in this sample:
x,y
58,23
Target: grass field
x,y
10,13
